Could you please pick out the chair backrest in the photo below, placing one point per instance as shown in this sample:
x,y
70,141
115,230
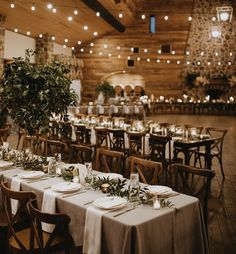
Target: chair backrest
x,y
101,137
136,143
54,146
219,135
109,161
59,220
23,198
80,154
65,130
195,182
80,132
148,170
116,139
4,134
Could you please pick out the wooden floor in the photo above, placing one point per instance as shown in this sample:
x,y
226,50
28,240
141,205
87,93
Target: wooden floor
x,y
222,202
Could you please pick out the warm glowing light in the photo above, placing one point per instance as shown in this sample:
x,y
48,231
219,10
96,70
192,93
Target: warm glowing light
x,y
190,18
118,47
143,16
76,12
53,38
85,28
66,40
82,50
79,42
166,18
120,15
28,32
40,36
16,30
49,6
70,18
98,14
95,33
91,44
33,8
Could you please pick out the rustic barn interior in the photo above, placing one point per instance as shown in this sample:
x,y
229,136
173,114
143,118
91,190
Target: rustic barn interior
x,y
175,60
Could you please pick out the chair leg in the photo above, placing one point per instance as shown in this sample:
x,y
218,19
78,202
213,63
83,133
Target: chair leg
x,y
221,167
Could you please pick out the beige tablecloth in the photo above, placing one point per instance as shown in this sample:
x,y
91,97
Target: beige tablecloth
x,y
178,230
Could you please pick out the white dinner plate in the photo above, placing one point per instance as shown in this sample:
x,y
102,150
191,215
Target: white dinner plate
x,y
110,175
66,187
31,175
159,189
109,203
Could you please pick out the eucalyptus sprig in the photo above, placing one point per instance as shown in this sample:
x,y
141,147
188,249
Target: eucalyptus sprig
x,y
68,173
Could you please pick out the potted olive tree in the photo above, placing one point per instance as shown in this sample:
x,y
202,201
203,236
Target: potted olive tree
x,y
104,91
31,93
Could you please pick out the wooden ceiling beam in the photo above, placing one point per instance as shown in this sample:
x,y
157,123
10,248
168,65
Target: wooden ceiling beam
x,y
105,14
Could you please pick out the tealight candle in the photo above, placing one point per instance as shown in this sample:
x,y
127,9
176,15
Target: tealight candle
x,y
156,203
104,187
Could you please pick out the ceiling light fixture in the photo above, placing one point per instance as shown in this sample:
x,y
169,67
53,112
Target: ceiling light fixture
x,y
215,32
224,13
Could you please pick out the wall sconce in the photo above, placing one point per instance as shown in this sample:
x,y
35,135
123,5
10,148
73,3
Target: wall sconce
x,y
224,13
215,32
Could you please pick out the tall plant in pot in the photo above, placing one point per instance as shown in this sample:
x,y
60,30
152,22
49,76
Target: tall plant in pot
x,y
32,92
106,90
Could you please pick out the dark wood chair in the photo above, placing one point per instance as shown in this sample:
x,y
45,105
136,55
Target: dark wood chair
x,y
109,161
60,238
81,134
148,170
116,138
4,134
195,182
80,153
101,137
216,148
136,143
158,152
20,234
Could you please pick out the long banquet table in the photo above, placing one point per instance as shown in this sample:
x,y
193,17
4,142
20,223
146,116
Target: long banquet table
x,y
179,229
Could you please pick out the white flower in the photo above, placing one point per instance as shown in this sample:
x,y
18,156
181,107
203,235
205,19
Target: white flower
x,y
200,80
232,81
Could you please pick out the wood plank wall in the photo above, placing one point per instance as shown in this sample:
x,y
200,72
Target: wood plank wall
x,y
160,78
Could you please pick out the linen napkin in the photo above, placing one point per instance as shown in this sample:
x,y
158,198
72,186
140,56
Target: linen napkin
x,y
93,137
93,230
15,186
73,135
49,206
5,164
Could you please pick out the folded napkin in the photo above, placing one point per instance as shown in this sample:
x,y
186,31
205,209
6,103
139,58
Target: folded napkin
x,y
93,230
15,186
5,164
111,202
49,206
93,137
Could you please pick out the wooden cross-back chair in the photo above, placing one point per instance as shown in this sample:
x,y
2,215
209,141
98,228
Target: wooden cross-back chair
x,y
136,143
20,235
109,161
81,134
216,148
80,153
116,139
60,238
4,134
149,171
101,137
158,152
195,182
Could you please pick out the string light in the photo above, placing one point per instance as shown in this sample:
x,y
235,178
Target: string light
x,y
148,60
79,42
33,8
166,18
66,40
120,15
40,36
167,61
98,14
81,50
159,51
53,38
90,52
91,44
178,62
73,48
190,18
16,30
109,55
64,46
76,12
28,32
100,53
54,10
70,18
49,6
105,46
85,28
173,52
208,63
119,56
143,16
145,50
158,60
12,5
138,59
95,33
118,47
